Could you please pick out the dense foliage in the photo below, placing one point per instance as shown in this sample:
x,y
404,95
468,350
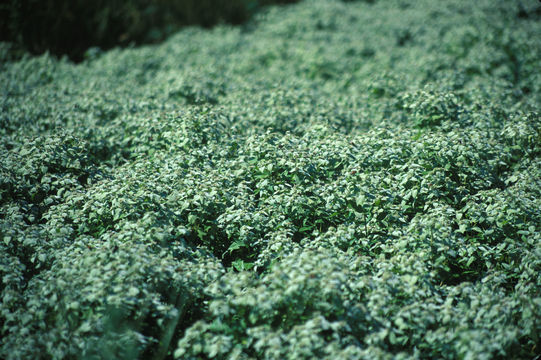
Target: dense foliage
x,y
70,27
347,180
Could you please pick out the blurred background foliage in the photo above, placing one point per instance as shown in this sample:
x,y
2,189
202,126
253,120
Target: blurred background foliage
x,y
70,27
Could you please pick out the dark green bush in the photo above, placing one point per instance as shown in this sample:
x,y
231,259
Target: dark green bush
x,y
349,180
71,27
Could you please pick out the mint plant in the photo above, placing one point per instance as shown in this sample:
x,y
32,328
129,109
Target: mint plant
x,y
340,179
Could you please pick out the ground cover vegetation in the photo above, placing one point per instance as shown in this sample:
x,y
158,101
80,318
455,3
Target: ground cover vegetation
x,y
76,28
347,180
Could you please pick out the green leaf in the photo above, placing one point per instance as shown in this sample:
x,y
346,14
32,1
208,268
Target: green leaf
x,y
133,291
239,244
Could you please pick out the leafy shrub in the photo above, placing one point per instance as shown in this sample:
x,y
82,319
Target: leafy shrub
x,y
319,184
71,27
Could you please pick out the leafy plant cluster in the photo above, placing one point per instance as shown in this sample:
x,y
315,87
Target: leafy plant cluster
x,y
350,180
71,27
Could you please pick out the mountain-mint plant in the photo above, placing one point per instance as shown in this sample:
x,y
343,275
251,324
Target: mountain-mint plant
x,y
349,180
